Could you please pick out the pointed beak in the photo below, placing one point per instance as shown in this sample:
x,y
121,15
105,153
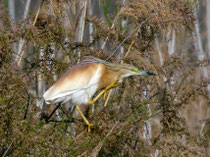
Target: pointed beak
x,y
142,72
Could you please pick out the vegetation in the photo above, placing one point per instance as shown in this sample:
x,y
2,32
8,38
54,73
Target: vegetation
x,y
120,127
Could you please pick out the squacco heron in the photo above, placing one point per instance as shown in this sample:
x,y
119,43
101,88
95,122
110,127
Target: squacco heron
x,y
79,84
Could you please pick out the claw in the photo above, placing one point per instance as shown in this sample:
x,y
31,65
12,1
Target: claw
x,y
89,126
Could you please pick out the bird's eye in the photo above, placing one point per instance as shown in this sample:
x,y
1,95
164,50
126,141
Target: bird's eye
x,y
134,69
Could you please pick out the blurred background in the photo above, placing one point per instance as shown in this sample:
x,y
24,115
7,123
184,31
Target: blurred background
x,y
165,115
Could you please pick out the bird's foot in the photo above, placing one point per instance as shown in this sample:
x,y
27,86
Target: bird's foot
x,y
89,126
114,84
105,91
90,102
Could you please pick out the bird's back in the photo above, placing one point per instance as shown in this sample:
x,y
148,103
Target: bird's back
x,y
80,78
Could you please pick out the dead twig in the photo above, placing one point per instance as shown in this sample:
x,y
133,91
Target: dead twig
x,y
83,27
108,97
110,92
113,24
99,146
137,28
126,54
22,53
5,153
48,118
27,104
136,141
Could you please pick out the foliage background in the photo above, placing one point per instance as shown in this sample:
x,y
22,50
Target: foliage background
x,y
164,101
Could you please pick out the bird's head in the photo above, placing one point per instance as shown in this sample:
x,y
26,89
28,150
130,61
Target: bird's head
x,y
127,70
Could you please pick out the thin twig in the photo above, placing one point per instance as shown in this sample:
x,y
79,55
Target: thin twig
x,y
113,24
37,14
111,130
83,21
138,27
83,27
99,146
66,121
126,54
83,154
108,97
22,53
203,124
62,121
27,104
134,144
115,20
75,139
5,153
48,118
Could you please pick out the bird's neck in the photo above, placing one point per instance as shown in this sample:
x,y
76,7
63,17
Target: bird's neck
x,y
108,76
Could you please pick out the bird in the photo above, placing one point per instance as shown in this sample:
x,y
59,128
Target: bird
x,y
80,83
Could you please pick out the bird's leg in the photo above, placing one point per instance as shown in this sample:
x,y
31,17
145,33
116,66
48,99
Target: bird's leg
x,y
90,102
114,84
84,118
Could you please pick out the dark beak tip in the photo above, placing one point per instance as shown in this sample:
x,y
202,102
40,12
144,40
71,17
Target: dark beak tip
x,y
150,73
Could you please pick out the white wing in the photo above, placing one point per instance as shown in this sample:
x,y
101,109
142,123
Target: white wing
x,y
72,83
